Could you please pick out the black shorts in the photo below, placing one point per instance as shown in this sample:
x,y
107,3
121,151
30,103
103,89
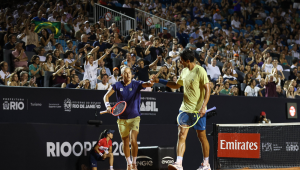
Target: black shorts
x,y
94,158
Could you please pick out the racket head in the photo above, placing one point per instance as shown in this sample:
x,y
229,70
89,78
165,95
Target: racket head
x,y
119,108
187,120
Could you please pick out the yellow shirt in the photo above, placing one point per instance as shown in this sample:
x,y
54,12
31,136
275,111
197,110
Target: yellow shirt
x,y
193,82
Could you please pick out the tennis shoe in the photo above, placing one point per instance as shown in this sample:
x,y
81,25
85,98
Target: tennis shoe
x,y
129,167
204,167
175,166
134,167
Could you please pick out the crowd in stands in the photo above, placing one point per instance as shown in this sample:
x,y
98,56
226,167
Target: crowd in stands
x,y
248,47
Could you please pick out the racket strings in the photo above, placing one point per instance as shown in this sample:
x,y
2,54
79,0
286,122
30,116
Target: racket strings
x,y
119,108
187,119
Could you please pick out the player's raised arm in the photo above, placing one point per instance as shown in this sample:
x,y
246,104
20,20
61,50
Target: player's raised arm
x,y
171,84
106,99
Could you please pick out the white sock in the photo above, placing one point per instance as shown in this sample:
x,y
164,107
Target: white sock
x,y
179,160
128,161
134,160
111,168
206,161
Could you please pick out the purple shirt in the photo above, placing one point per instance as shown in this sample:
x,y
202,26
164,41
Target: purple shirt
x,y
132,95
237,8
271,90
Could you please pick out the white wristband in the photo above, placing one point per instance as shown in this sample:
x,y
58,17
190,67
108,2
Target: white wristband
x,y
107,104
100,154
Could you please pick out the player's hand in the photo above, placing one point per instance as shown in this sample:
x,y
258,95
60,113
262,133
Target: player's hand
x,y
109,109
202,112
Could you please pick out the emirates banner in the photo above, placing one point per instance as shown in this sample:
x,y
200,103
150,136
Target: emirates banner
x,y
257,145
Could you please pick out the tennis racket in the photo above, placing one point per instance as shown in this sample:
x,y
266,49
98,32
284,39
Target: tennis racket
x,y
188,120
118,109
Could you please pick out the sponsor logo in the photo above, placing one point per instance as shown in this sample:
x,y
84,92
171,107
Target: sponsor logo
x,y
144,161
167,160
266,147
292,146
130,89
121,89
35,104
69,105
67,149
13,104
292,111
239,145
54,106
148,106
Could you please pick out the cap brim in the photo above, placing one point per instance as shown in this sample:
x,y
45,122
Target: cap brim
x,y
112,131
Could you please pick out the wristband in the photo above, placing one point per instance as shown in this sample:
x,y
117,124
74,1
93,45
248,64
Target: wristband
x,y
107,104
100,154
162,81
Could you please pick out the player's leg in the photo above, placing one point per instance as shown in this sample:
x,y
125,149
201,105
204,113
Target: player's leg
x,y
124,130
135,126
201,134
93,160
181,145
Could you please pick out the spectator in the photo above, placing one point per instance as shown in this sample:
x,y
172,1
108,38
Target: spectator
x,y
275,65
40,18
295,63
226,89
212,70
250,60
68,29
235,23
263,118
24,80
191,44
41,52
58,77
59,47
69,58
267,67
10,31
74,82
20,56
114,78
229,78
252,89
235,61
101,66
47,40
143,71
283,61
195,35
32,39
102,45
70,46
85,84
115,54
155,51
294,75
217,17
261,85
36,71
11,43
49,66
14,80
84,45
280,92
270,86
104,85
165,34
164,73
80,32
290,93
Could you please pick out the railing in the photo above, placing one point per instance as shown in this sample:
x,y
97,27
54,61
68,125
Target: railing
x,y
122,21
157,23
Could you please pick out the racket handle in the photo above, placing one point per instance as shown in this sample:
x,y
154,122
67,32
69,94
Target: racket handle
x,y
103,112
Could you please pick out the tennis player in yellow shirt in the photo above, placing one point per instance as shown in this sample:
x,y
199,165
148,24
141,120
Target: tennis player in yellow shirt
x,y
195,98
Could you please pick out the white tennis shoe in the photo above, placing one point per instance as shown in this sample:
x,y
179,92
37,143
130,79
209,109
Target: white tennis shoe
x,y
204,167
175,166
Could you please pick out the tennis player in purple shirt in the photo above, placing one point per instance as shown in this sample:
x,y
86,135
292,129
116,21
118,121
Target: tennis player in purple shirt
x,y
129,121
